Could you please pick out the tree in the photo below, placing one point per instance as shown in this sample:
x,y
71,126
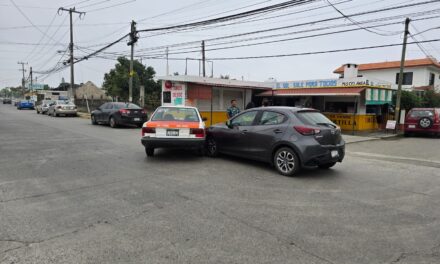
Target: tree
x,y
408,100
431,99
116,81
226,76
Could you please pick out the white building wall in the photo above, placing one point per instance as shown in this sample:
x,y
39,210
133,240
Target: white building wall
x,y
420,75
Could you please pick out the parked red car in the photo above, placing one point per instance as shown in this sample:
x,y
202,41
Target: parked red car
x,y
423,121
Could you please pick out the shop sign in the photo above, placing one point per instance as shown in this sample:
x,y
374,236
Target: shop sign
x,y
173,94
306,84
342,120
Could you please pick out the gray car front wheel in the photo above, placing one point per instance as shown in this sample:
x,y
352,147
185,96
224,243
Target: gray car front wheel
x,y
286,161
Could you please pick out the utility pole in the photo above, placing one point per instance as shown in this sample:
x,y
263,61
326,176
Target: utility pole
x,y
168,67
400,81
203,58
133,40
186,66
72,76
23,70
30,74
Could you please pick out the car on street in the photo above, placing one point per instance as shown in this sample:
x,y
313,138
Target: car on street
x,y
7,101
289,138
25,104
43,106
174,127
62,107
119,114
422,121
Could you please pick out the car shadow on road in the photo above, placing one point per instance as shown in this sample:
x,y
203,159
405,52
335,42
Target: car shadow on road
x,y
306,173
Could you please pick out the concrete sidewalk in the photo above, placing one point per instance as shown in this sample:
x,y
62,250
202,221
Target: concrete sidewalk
x,y
365,136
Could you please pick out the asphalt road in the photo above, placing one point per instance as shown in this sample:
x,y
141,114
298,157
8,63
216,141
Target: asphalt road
x,y
71,192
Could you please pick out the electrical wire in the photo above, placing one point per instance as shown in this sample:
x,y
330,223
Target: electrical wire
x,y
321,52
107,7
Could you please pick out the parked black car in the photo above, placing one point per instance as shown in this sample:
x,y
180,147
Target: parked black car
x,y
287,137
7,101
117,113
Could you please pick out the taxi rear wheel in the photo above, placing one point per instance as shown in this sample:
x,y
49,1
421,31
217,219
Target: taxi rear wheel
x,y
149,151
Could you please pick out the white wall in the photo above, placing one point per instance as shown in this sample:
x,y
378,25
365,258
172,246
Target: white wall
x,y
420,75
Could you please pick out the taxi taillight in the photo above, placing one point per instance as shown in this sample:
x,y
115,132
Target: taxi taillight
x,y
198,132
148,130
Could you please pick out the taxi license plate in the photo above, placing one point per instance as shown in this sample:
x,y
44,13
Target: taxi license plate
x,y
334,153
136,119
172,133
411,126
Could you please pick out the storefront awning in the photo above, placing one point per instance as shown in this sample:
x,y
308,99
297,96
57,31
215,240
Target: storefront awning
x,y
336,91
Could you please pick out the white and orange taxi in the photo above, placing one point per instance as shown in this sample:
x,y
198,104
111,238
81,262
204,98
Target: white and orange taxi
x,y
174,127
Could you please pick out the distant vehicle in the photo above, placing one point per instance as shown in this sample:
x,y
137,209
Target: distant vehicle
x,y
117,113
174,127
7,101
25,104
43,106
287,137
15,102
422,121
62,107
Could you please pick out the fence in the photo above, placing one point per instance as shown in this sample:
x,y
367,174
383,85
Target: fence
x,y
93,104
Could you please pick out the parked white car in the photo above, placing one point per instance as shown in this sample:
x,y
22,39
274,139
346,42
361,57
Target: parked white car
x,y
62,107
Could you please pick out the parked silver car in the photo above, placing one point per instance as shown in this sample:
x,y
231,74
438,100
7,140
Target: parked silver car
x,y
62,107
43,106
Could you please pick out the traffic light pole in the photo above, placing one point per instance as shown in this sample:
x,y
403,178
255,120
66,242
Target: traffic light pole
x,y
133,40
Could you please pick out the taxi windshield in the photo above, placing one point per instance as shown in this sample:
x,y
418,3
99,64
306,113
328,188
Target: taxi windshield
x,y
176,114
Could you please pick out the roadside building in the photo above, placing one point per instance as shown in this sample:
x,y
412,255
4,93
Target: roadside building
x,y
212,96
353,102
90,91
419,74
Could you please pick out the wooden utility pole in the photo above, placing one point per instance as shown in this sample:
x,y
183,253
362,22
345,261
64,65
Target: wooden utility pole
x,y
133,40
30,74
72,75
203,59
23,70
400,81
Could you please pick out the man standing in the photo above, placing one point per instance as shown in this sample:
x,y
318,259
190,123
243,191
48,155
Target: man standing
x,y
233,110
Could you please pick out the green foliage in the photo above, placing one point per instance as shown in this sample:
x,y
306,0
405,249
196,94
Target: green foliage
x,y
116,81
408,100
431,99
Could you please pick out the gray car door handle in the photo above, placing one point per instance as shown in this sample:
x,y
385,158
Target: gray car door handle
x,y
277,131
244,131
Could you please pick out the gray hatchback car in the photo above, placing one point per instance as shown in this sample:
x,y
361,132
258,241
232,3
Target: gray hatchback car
x,y
287,137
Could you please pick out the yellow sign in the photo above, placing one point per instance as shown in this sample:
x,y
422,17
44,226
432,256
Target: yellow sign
x,y
356,122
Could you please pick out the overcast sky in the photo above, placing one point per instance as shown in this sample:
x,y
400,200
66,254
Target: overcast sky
x,y
42,38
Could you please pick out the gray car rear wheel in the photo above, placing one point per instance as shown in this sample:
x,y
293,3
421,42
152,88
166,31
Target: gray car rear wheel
x,y
286,161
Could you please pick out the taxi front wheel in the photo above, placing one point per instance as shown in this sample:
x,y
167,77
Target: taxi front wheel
x,y
149,151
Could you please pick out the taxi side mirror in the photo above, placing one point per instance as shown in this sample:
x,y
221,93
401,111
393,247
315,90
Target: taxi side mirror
x,y
204,119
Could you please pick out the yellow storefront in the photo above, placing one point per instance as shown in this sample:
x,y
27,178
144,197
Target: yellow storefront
x,y
353,108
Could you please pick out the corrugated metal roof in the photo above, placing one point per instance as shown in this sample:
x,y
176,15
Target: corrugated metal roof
x,y
217,82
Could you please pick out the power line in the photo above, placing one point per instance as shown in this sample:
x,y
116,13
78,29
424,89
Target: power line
x,y
357,24
28,19
321,52
107,7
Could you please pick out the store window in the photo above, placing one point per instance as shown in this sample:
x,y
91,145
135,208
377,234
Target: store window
x,y
431,78
407,78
